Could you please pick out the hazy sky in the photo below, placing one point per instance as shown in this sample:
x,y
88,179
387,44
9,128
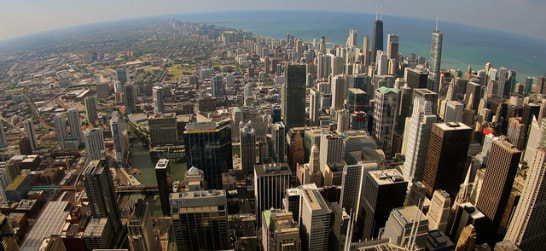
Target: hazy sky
x,y
21,17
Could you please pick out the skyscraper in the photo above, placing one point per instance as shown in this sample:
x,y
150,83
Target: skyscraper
x,y
158,99
293,97
60,129
94,143
217,85
445,165
200,220
129,98
339,91
122,76
3,141
91,108
75,126
366,50
141,229
248,147
117,137
352,186
384,117
162,174
278,140
407,227
31,134
381,184
377,39
99,187
438,213
435,59
526,228
500,172
208,147
279,231
315,219
419,126
271,182
392,49
331,149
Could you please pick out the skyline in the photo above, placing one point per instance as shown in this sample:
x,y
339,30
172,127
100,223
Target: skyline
x,y
25,18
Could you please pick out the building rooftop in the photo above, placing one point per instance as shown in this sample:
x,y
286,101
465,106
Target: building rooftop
x,y
387,176
316,201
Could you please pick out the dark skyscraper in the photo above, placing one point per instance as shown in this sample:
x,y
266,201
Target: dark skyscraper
x,y
208,147
293,97
445,164
163,183
377,40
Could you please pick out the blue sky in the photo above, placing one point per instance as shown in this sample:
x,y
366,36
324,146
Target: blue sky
x,y
22,17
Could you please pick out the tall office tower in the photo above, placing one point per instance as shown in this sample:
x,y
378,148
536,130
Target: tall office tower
x,y
315,219
322,45
122,76
294,147
526,228
500,172
352,39
419,126
435,60
99,187
3,141
416,194
416,78
94,143
292,201
384,117
343,121
91,108
428,95
200,220
392,46
117,137
472,95
381,184
357,99
248,147
407,227
377,39
217,86
338,64
129,98
30,133
530,112
438,212
454,112
75,125
162,174
60,130
208,147
248,95
141,230
293,97
445,165
467,239
270,184
324,66
382,64
158,99
338,92
352,186
465,215
278,141
314,106
331,149
280,231
24,146
537,138
311,170
366,50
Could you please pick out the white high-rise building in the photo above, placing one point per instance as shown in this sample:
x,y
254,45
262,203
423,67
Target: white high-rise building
x,y
158,99
324,66
94,143
408,227
454,111
384,117
31,133
353,185
438,214
315,219
419,127
526,228
382,63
